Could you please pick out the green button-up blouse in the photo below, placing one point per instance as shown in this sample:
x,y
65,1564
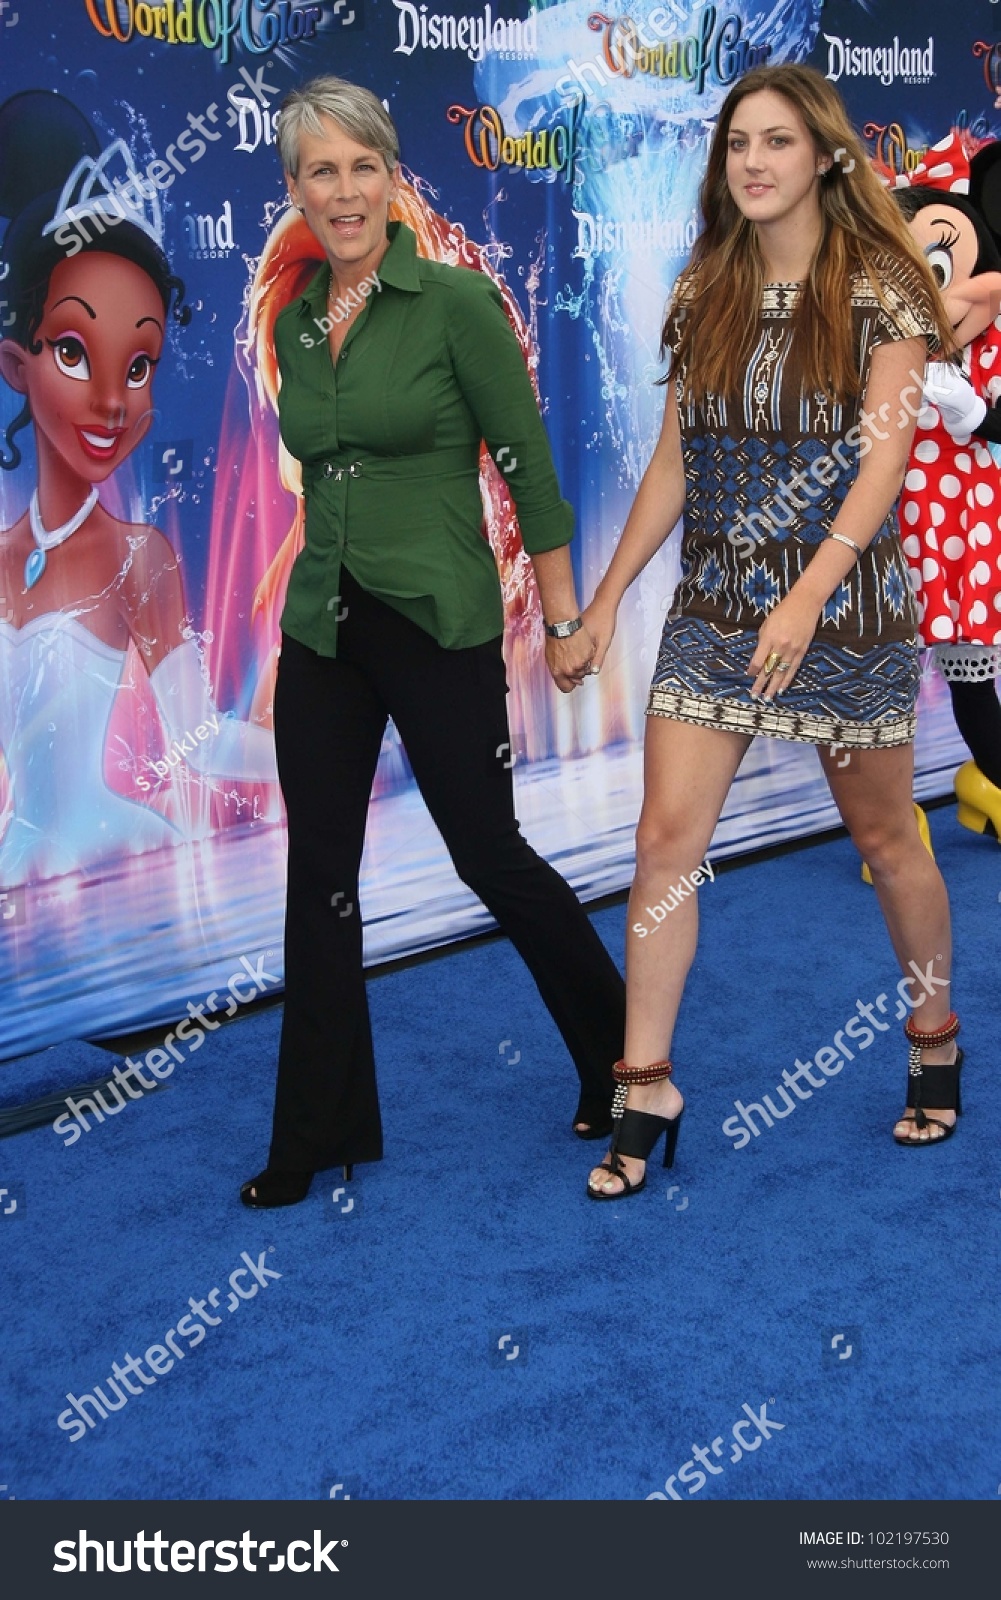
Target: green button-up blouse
x,y
389,436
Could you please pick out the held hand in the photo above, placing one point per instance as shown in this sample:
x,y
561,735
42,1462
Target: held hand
x,y
599,621
569,660
783,639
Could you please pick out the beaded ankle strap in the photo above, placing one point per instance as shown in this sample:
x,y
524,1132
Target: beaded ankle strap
x,y
624,1076
652,1074
936,1037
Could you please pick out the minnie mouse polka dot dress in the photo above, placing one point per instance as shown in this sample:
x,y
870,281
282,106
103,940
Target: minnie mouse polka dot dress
x,y
950,522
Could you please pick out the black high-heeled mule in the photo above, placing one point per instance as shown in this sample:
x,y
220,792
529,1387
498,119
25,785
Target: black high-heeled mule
x,y
273,1188
637,1132
935,1084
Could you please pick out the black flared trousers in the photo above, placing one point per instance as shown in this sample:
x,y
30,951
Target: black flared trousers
x,y
450,710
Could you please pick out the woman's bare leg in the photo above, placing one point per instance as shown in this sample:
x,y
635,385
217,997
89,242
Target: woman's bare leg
x,y
873,792
687,773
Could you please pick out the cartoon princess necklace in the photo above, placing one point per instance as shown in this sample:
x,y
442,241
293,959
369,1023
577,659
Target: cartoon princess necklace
x,y
46,540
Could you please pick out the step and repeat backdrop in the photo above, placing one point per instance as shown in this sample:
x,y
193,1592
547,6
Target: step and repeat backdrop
x,y
556,147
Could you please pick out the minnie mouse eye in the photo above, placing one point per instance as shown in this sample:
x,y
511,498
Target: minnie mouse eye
x,y
940,261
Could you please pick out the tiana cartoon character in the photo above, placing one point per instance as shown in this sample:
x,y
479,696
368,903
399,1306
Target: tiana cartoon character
x,y
85,296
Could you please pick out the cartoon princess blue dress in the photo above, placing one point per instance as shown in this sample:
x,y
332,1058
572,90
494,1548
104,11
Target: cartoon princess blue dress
x,y
87,293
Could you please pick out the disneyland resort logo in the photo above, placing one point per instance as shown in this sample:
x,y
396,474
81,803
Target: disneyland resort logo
x,y
610,236
257,25
714,56
209,237
890,63
474,34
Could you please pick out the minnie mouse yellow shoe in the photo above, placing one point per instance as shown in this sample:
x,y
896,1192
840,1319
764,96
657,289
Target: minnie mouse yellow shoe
x,y
979,800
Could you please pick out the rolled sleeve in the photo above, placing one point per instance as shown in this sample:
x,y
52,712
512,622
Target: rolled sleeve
x,y
491,373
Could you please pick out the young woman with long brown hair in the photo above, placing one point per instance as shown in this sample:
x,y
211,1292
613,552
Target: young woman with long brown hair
x,y
794,334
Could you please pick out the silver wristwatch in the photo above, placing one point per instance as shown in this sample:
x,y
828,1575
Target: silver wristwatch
x,y
563,630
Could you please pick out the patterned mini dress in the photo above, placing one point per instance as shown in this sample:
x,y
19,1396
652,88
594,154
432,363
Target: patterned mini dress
x,y
765,475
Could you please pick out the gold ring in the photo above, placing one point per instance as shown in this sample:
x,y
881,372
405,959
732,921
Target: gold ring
x,y
771,663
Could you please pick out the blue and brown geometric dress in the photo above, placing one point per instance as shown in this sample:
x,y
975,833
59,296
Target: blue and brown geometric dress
x,y
765,475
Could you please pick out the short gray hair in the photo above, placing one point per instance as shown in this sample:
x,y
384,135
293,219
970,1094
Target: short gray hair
x,y
355,109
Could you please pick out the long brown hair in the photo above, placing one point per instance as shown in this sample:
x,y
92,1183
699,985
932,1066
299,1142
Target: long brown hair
x,y
721,288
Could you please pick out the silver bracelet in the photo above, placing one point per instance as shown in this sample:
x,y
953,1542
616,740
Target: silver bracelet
x,y
843,538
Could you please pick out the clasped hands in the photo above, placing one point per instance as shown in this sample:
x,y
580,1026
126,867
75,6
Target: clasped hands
x,y
569,660
572,660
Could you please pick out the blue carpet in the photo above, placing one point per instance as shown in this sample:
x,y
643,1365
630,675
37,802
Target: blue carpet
x,y
57,1069
642,1329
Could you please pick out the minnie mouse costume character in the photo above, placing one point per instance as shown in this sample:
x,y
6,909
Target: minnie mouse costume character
x,y
950,507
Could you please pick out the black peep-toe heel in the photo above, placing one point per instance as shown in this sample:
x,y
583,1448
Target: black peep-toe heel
x,y
596,1111
273,1188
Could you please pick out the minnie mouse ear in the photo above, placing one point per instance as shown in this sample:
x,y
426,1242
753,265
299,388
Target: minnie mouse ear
x,y
985,186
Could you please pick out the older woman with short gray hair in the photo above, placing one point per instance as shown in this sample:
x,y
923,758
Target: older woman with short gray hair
x,y
354,109
394,369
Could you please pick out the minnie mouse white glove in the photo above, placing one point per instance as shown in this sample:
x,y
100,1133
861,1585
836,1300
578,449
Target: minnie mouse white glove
x,y
954,398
